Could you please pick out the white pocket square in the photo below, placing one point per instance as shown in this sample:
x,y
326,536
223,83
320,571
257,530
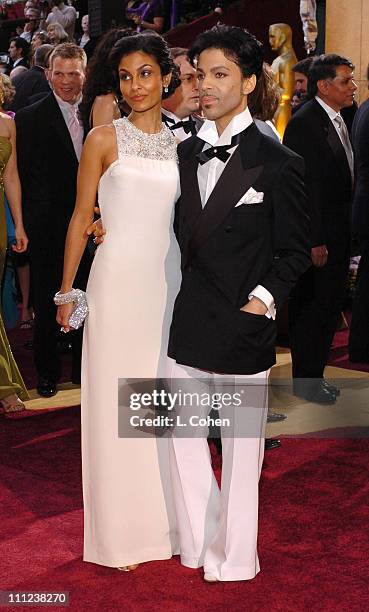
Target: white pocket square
x,y
251,197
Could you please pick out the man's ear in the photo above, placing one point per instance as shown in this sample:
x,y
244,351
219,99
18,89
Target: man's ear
x,y
249,84
323,86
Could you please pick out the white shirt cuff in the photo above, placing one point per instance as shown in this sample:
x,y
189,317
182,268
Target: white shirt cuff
x,y
267,298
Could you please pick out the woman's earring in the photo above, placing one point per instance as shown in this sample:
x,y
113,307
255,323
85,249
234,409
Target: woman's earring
x,y
166,89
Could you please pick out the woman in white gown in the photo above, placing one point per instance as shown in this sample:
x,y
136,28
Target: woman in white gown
x,y
132,286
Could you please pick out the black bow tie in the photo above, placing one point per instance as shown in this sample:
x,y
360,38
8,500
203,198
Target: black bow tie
x,y
221,152
189,126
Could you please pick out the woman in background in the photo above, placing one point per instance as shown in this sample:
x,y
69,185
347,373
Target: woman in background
x,y
101,95
56,34
12,388
263,102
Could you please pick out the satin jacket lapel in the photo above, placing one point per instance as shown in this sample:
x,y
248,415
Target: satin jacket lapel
x,y
190,194
333,139
241,172
58,123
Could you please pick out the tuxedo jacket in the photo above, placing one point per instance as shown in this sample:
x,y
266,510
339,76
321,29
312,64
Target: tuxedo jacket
x,y
311,134
360,143
27,85
228,250
48,169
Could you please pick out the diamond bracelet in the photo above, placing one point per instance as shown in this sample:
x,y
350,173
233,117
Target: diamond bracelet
x,y
67,298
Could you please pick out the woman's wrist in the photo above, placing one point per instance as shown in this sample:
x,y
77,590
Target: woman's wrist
x,y
65,289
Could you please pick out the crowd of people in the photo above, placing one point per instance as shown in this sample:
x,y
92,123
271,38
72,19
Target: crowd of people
x,y
179,288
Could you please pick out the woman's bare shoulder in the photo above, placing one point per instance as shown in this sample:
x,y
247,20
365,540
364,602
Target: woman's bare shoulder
x,y
101,135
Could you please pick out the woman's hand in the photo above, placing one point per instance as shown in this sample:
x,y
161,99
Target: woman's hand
x,y
63,315
97,229
22,240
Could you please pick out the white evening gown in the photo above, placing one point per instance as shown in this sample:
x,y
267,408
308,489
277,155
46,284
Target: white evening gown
x,y
134,280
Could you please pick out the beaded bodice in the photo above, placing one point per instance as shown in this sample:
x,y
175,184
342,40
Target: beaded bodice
x,y
5,152
134,142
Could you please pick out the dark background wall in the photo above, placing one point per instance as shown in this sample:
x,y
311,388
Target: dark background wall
x,y
256,15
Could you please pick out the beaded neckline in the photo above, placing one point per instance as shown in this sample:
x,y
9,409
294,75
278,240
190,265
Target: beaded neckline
x,y
134,142
131,124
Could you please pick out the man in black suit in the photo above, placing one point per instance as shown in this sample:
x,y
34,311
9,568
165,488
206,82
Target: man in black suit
x,y
18,53
180,110
243,232
50,140
359,328
33,81
318,133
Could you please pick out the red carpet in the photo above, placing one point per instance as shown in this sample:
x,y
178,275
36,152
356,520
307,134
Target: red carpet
x,y
314,536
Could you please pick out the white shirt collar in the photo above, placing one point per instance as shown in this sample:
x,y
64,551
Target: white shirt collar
x,y
328,109
171,115
17,61
66,105
209,133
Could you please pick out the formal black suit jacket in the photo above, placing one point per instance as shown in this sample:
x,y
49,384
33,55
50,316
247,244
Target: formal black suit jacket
x,y
48,169
311,134
227,251
360,142
27,85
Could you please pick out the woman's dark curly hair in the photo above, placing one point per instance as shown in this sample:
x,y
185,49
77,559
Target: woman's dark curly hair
x,y
237,45
99,80
153,45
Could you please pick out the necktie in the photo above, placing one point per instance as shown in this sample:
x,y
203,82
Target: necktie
x,y
221,152
188,126
75,129
345,139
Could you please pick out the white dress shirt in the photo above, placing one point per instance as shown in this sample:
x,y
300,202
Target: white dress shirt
x,y
69,112
209,173
179,133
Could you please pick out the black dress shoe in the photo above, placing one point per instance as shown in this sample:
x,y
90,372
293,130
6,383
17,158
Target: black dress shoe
x,y
46,387
276,417
271,443
332,388
319,394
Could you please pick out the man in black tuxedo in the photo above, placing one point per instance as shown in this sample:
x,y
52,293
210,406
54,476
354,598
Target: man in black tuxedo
x,y
359,328
318,133
180,110
243,232
33,81
50,140
18,53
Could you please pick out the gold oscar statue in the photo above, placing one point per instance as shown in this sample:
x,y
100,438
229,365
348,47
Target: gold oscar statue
x,y
280,40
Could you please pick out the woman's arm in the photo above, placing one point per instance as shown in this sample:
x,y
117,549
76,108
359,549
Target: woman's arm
x,y
13,192
104,110
157,25
89,174
97,152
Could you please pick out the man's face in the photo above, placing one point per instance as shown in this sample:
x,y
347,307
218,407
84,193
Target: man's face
x,y
275,38
185,99
67,77
301,82
223,89
85,23
14,52
340,91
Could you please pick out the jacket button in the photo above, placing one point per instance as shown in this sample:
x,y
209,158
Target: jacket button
x,y
229,228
